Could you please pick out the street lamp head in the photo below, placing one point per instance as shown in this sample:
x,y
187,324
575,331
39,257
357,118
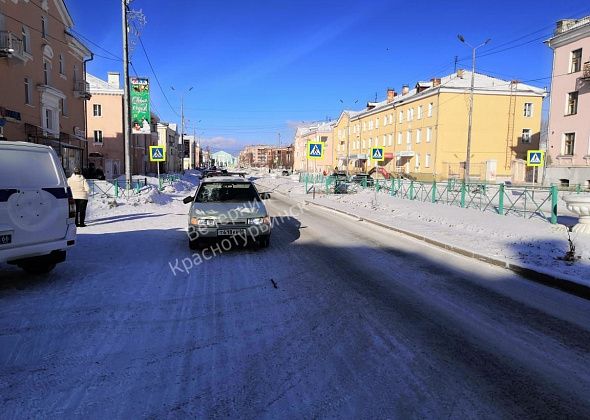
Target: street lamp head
x,y
461,38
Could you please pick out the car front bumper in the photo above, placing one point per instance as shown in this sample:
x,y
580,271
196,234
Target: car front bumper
x,y
224,231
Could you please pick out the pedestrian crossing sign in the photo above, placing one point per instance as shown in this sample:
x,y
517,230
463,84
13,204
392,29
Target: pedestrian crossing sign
x,y
535,158
157,153
315,150
377,154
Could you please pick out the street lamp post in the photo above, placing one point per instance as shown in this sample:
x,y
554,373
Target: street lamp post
x,y
468,157
348,139
190,165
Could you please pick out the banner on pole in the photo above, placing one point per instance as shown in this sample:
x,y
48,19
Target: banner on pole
x,y
140,105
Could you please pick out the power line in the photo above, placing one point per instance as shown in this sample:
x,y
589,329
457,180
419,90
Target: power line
x,y
155,75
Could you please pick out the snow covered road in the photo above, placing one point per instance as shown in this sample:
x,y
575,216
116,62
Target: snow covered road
x,y
362,323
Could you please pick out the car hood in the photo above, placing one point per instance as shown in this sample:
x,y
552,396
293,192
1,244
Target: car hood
x,y
239,210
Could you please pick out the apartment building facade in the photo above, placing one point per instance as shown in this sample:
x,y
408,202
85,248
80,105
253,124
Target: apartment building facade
x,y
314,132
106,143
43,87
168,136
424,129
568,145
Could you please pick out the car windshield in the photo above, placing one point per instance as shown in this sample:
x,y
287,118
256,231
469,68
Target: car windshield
x,y
237,192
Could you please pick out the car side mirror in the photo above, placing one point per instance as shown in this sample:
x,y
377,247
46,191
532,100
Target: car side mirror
x,y
265,196
188,199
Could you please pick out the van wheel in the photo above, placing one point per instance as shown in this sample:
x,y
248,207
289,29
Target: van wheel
x,y
38,268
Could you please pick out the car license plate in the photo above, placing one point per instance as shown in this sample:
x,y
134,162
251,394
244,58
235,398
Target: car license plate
x,y
230,232
5,238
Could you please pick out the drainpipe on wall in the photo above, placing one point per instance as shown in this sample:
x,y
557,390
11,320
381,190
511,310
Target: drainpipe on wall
x,y
86,109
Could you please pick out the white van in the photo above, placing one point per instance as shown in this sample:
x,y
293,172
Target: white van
x,y
37,211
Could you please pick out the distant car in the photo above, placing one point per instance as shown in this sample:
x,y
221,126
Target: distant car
x,y
37,211
285,172
226,207
363,179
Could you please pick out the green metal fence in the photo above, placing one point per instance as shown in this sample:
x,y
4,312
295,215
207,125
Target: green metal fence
x,y
117,188
524,201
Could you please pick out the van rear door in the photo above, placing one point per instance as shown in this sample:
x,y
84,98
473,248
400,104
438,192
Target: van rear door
x,y
33,196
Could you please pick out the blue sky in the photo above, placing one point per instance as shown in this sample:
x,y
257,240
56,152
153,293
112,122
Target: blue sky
x,y
259,67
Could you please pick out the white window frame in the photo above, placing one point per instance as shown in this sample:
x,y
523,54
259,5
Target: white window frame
x,y
63,104
28,91
528,110
400,137
420,111
47,72
26,35
430,106
427,160
44,27
417,161
98,137
418,135
528,138
409,137
95,108
567,103
401,116
579,63
563,144
428,134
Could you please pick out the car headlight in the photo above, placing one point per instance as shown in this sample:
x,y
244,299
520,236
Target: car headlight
x,y
259,221
202,222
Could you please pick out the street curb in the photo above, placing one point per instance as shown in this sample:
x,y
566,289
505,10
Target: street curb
x,y
562,283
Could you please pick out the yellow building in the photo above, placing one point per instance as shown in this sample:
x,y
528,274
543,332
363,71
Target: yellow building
x,y
424,129
314,132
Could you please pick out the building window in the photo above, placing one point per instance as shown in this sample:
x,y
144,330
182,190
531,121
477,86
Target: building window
x,y
399,138
418,135
420,112
49,119
572,103
46,72
44,27
64,107
528,109
61,65
576,61
428,134
410,114
417,165
430,106
97,110
427,160
364,126
401,116
26,35
390,142
390,118
526,135
377,122
408,137
569,140
27,91
98,136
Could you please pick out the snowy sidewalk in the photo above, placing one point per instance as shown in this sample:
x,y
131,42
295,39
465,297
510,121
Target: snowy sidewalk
x,y
527,243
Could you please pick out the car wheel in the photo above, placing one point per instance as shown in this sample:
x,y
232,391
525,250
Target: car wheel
x,y
264,241
37,268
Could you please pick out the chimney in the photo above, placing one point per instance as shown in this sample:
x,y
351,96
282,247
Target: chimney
x,y
435,82
405,89
460,73
113,79
391,94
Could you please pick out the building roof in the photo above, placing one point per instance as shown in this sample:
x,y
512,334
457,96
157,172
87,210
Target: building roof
x,y
97,85
460,81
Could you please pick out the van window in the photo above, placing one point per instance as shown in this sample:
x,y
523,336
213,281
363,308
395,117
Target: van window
x,y
28,169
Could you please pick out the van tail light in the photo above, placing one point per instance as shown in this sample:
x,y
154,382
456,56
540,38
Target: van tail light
x,y
71,204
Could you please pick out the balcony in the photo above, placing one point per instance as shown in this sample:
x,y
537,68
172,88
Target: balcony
x,y
11,45
586,71
82,89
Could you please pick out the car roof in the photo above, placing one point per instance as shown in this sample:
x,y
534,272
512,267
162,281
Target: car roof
x,y
23,145
233,179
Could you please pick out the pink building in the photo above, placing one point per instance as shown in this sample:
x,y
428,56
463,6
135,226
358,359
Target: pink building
x,y
106,146
568,146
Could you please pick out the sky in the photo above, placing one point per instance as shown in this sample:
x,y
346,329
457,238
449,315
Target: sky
x,y
260,67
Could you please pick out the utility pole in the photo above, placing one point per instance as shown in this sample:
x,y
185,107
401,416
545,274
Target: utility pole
x,y
456,61
469,126
126,107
